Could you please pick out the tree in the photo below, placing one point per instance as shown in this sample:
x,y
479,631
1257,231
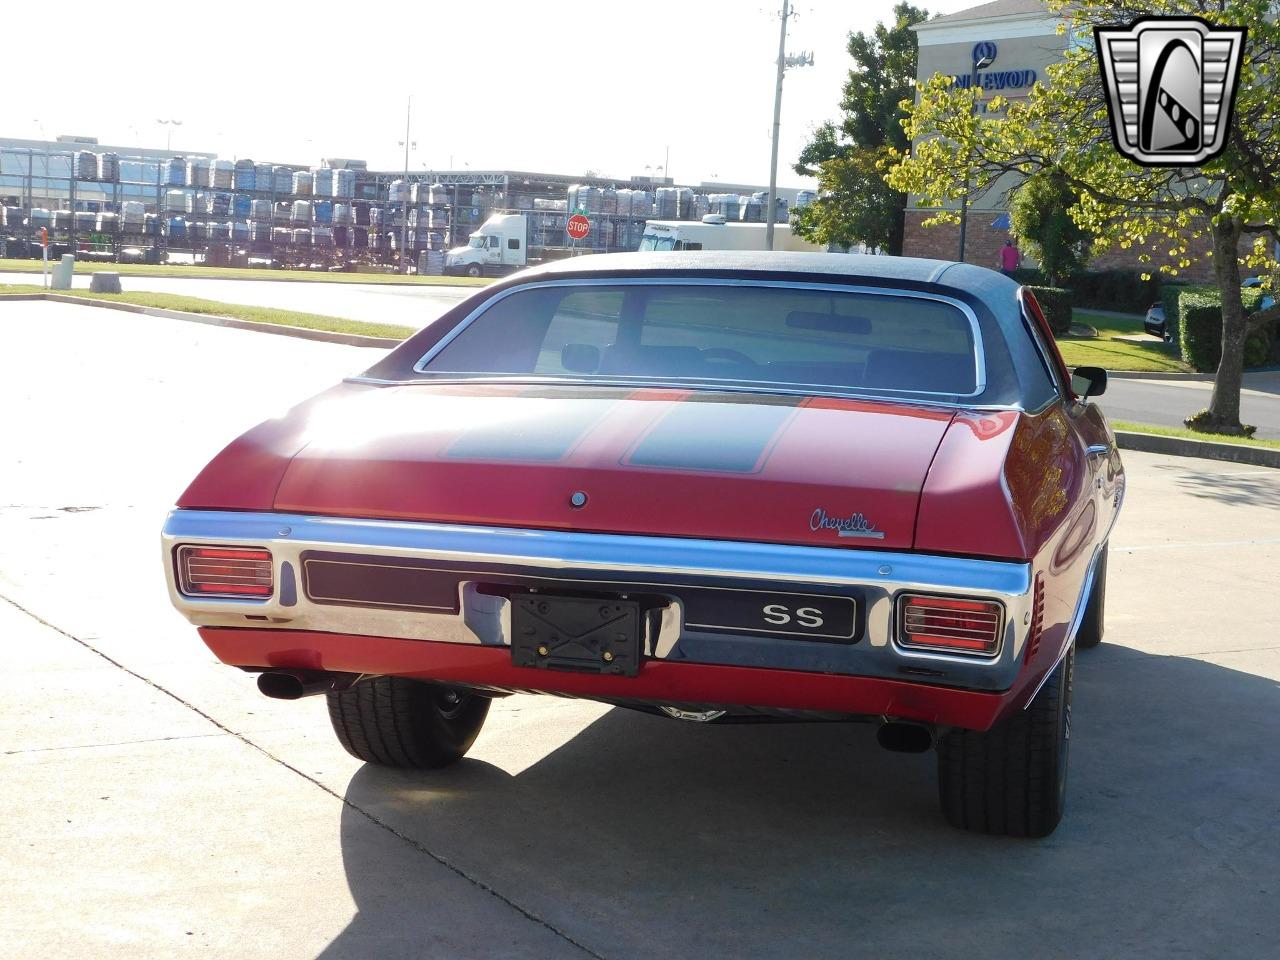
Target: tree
x,y
1039,217
856,205
1063,126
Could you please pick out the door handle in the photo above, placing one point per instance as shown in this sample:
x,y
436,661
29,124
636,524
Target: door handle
x,y
1097,450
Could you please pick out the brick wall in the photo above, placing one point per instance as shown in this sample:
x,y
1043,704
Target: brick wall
x,y
983,243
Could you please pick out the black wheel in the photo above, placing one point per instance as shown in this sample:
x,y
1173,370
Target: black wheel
x,y
397,722
1090,632
475,270
1012,780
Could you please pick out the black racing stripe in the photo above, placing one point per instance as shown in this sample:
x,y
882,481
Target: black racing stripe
x,y
545,439
716,437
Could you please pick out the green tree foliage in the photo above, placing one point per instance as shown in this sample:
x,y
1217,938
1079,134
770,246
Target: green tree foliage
x,y
857,205
1040,218
1063,126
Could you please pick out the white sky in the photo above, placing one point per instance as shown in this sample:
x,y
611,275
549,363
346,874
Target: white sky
x,y
554,87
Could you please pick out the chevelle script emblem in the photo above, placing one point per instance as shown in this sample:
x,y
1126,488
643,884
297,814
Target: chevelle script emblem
x,y
854,525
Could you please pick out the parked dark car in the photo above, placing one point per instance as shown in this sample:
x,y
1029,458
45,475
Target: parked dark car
x,y
1155,324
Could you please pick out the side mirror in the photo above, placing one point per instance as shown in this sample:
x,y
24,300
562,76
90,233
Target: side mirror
x,y
1088,382
580,357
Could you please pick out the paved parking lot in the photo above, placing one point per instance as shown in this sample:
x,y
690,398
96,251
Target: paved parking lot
x,y
156,805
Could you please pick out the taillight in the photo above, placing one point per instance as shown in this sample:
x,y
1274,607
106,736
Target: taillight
x,y
225,572
944,624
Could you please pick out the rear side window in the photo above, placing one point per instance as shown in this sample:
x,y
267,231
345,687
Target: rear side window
x,y
717,333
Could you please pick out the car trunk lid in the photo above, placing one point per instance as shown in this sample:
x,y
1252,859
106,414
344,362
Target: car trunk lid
x,y
725,466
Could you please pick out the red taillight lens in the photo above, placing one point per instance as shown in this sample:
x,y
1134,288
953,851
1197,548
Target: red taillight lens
x,y
968,627
225,572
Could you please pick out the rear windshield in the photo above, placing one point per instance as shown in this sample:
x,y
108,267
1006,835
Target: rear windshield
x,y
719,334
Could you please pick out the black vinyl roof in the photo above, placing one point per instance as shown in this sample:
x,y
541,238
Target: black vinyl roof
x,y
850,265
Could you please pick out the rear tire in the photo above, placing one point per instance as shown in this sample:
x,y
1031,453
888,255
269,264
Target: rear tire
x,y
396,722
1012,779
1091,626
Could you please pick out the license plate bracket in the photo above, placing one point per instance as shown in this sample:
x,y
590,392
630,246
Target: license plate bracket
x,y
583,634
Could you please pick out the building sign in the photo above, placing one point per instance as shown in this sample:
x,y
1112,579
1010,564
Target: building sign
x,y
984,55
997,79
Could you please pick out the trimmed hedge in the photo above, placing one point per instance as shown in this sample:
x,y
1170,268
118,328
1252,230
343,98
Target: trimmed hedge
x,y
1169,295
1122,290
1055,303
1200,328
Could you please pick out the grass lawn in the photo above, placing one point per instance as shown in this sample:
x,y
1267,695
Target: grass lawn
x,y
1106,351
288,318
1192,434
245,273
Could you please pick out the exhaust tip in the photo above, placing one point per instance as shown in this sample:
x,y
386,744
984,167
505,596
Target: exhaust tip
x,y
279,685
904,737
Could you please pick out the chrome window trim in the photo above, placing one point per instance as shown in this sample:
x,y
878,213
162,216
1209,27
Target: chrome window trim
x,y
1033,331
913,400
979,353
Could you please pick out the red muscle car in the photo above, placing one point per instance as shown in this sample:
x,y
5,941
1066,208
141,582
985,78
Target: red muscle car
x,y
714,486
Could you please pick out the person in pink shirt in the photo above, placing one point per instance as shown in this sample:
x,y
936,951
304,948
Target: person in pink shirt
x,y
1010,258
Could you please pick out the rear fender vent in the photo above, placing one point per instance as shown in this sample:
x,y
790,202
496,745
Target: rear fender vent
x,y
1037,617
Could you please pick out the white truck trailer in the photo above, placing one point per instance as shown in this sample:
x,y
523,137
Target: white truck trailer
x,y
714,233
501,245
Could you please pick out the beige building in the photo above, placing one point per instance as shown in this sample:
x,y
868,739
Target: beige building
x,y
1006,45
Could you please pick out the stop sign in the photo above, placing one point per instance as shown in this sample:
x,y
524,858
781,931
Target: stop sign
x,y
578,227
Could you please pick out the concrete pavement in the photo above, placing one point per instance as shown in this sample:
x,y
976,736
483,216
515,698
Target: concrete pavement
x,y
155,803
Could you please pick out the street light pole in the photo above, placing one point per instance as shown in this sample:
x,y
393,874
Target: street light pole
x,y
168,132
404,226
978,63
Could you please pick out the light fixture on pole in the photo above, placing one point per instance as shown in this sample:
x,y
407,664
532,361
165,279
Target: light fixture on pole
x,y
168,134
982,58
404,226
803,60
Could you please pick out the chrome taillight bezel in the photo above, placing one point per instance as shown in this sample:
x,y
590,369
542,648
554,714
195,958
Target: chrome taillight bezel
x,y
902,640
255,580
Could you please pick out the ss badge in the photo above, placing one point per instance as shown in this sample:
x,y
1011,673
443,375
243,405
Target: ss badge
x,y
778,614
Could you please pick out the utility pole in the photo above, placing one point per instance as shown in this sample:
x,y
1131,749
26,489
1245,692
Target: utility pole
x,y
803,60
404,226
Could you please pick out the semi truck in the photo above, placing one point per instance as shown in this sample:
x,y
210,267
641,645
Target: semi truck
x,y
501,245
714,233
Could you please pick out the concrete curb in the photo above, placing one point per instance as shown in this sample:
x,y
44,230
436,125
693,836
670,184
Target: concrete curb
x,y
1157,375
1204,449
281,330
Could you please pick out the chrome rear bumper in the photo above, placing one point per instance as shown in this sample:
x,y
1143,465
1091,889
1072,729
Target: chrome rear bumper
x,y
565,561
